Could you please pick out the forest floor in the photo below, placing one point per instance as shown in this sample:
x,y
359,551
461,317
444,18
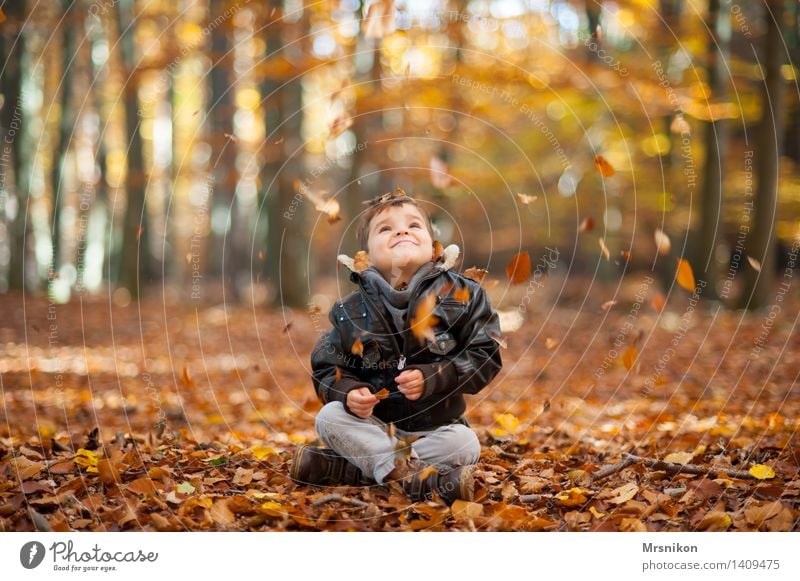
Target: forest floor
x,y
154,416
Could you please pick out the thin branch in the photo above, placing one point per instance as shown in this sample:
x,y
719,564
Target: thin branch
x,y
673,468
613,468
338,498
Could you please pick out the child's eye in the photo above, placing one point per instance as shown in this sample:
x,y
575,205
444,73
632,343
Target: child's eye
x,y
415,225
383,229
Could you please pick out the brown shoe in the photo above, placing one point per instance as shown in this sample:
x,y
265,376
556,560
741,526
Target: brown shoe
x,y
450,485
324,467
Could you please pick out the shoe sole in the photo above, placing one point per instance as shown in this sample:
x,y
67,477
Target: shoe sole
x,y
294,474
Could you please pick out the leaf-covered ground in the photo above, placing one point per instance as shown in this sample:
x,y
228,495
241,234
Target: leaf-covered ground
x,y
158,416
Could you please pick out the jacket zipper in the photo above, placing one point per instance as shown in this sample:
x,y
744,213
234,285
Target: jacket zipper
x,y
401,363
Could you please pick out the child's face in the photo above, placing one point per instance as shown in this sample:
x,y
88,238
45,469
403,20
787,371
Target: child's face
x,y
399,240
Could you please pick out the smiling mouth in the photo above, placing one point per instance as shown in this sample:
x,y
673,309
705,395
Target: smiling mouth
x,y
402,242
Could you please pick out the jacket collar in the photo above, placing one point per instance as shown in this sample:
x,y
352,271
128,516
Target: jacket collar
x,y
450,255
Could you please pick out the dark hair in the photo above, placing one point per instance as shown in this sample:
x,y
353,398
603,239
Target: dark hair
x,y
378,204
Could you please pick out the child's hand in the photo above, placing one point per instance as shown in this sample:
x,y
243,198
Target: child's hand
x,y
361,401
411,383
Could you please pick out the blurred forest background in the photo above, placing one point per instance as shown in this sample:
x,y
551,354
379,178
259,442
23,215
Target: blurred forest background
x,y
203,148
177,179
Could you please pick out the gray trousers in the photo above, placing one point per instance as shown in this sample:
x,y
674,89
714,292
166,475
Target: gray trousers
x,y
364,442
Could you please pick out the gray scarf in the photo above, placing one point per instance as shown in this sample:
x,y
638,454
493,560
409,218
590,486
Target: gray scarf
x,y
395,301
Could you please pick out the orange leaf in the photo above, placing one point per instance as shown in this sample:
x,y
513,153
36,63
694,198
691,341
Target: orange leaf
x,y
382,394
186,378
519,269
606,169
476,274
629,357
684,275
357,348
462,295
438,251
587,225
659,302
143,486
423,320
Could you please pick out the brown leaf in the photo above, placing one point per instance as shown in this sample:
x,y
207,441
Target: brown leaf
x,y
604,249
754,263
623,494
629,357
382,394
423,320
438,251
107,472
518,270
607,305
358,348
587,225
186,378
143,486
221,514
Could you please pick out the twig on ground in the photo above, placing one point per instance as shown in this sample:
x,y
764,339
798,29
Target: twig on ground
x,y
338,498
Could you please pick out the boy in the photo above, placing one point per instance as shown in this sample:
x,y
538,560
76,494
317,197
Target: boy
x,y
381,365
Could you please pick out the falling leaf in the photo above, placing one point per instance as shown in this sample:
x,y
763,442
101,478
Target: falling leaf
x,y
762,472
629,357
379,20
339,125
361,261
440,174
658,302
358,348
663,243
587,225
518,270
684,275
679,457
461,295
2,16
604,249
438,251
510,321
607,305
186,378
328,207
680,126
626,255
526,199
550,343
185,487
382,394
423,320
601,163
507,424
754,263
476,274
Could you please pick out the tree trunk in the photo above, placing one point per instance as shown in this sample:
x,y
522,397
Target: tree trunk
x,y
135,248
715,133
287,236
761,244
224,248
12,155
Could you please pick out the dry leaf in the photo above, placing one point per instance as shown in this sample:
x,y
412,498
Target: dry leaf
x,y
357,348
587,225
684,275
423,320
438,251
679,457
361,261
762,472
518,270
525,199
461,295
629,357
623,494
382,394
476,274
658,302
601,163
607,305
550,343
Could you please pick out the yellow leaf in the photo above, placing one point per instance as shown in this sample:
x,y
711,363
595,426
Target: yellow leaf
x,y
715,522
762,472
87,459
571,497
509,422
261,452
684,275
679,457
597,514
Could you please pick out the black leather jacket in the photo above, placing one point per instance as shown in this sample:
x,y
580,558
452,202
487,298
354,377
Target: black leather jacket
x,y
463,360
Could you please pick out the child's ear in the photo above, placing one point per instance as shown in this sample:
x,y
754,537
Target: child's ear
x,y
438,251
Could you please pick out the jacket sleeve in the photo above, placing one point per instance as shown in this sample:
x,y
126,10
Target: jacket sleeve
x,y
328,355
476,358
